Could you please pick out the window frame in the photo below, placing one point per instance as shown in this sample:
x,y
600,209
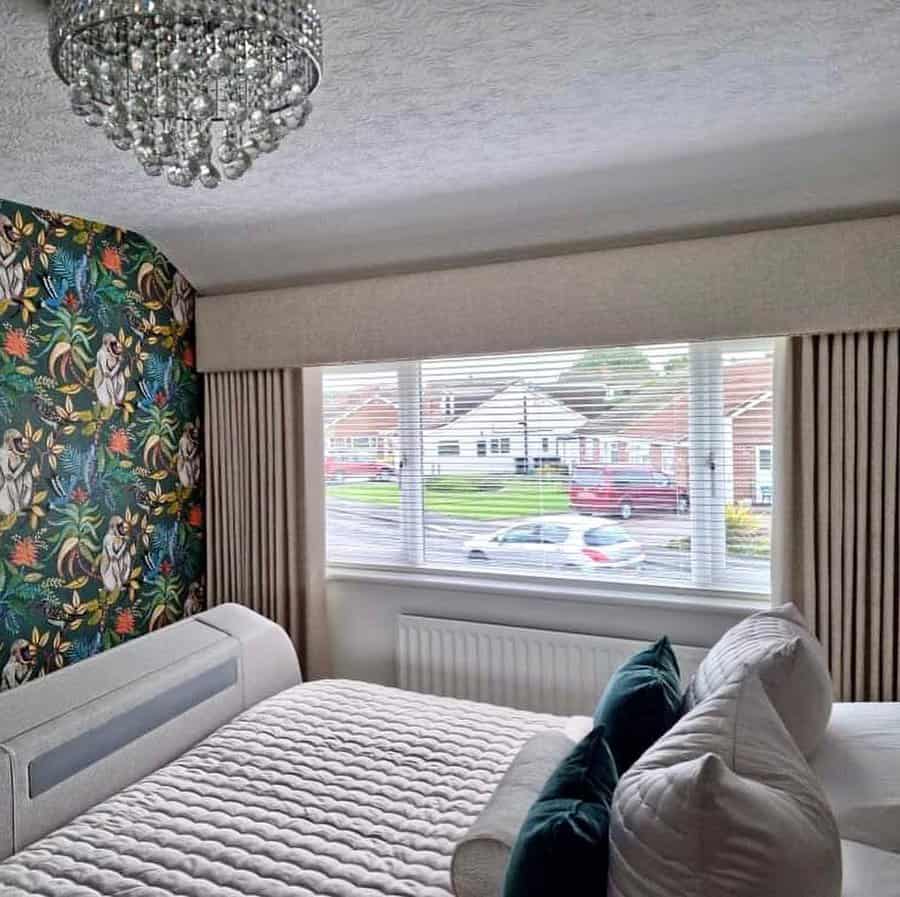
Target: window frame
x,y
650,591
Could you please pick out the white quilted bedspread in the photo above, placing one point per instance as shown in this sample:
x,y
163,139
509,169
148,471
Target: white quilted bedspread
x,y
331,788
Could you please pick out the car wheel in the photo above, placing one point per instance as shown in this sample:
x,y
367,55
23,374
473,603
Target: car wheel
x,y
477,556
683,506
626,510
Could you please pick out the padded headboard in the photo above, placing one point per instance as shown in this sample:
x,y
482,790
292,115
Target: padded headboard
x,y
74,738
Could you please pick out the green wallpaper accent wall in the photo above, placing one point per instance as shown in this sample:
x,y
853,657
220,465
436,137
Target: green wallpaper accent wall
x,y
101,494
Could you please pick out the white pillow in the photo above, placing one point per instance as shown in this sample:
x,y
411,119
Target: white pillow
x,y
778,647
724,803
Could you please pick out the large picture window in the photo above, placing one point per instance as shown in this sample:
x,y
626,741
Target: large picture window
x,y
645,464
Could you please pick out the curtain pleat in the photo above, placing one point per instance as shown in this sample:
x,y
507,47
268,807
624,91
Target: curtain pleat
x,y
835,533
890,585
254,464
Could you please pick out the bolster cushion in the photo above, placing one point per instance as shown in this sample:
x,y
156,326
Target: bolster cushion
x,y
480,859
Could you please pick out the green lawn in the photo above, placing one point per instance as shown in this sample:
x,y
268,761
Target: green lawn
x,y
518,498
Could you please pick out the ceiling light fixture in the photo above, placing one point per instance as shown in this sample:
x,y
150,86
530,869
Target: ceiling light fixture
x,y
157,74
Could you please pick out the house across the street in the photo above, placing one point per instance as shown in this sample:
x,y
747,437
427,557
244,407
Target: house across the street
x,y
651,427
497,426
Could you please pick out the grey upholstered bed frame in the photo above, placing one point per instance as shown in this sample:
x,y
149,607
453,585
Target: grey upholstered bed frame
x,y
84,733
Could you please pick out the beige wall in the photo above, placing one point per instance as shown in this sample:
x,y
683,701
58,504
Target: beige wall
x,y
829,277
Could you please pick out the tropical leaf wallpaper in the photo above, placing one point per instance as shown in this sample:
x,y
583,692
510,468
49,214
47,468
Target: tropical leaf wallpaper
x,y
101,502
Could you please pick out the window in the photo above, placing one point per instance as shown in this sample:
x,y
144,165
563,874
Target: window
x,y
764,474
664,475
554,534
640,453
602,536
667,457
522,535
586,477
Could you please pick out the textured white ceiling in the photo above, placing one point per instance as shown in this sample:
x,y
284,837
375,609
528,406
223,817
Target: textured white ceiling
x,y
447,130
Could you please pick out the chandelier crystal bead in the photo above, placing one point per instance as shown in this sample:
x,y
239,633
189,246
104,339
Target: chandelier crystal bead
x,y
197,89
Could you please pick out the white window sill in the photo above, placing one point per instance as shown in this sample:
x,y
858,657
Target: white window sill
x,y
555,589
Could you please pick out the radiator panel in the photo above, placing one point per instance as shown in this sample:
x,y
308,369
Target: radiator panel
x,y
532,669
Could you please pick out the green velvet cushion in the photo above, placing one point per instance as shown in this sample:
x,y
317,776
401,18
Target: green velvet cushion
x,y
587,773
642,701
563,845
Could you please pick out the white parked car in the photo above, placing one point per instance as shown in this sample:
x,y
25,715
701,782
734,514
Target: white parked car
x,y
560,542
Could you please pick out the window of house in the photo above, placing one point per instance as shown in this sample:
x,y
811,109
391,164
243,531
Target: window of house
x,y
764,474
640,452
665,473
667,458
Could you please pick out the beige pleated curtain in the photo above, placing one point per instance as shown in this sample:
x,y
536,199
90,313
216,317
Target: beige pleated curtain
x,y
835,539
256,544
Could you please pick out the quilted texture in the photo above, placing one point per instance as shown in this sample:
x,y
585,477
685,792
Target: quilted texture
x,y
778,647
724,804
332,789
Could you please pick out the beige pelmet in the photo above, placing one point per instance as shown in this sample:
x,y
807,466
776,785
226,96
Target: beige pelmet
x,y
826,278
257,546
835,541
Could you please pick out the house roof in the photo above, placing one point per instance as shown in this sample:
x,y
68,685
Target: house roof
x,y
337,406
468,394
660,411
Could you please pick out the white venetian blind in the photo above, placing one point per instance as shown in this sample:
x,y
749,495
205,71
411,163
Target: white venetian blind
x,y
640,463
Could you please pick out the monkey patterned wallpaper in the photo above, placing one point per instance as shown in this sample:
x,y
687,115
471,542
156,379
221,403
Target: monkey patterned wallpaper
x,y
101,501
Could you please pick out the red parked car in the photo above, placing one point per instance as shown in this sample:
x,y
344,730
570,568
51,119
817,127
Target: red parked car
x,y
625,489
355,468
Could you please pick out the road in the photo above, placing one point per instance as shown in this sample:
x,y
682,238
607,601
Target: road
x,y
364,533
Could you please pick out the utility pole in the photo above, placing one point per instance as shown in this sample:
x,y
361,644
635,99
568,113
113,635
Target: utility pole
x,y
524,423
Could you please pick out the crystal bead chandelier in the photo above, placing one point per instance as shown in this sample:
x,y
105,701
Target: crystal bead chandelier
x,y
158,75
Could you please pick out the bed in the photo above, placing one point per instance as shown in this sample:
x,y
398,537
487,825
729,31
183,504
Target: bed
x,y
191,763
858,763
328,789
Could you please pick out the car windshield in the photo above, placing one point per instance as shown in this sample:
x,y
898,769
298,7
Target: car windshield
x,y
606,535
588,478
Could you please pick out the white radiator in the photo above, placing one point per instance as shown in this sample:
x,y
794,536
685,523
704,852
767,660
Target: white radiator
x,y
532,669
